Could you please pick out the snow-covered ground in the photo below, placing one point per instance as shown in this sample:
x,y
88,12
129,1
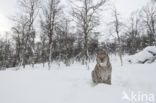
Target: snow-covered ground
x,y
135,82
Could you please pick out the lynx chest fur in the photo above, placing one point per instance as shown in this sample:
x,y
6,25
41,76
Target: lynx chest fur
x,y
103,69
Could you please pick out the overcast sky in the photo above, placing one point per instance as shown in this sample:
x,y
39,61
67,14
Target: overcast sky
x,y
8,8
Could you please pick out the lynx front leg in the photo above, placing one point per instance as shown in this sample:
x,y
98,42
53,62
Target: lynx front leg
x,y
108,81
94,77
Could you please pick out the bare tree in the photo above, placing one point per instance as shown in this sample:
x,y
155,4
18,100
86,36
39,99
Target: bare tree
x,y
133,31
17,38
44,52
117,26
31,9
65,23
24,30
87,18
19,30
49,21
148,15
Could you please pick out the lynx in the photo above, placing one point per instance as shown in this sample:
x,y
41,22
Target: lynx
x,y
102,70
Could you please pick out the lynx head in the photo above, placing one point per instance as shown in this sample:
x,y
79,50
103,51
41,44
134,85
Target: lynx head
x,y
102,59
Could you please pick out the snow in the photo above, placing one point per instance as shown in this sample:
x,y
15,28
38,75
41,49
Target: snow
x,y
73,84
142,55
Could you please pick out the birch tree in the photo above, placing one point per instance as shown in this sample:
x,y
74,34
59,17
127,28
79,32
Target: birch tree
x,y
50,17
87,18
117,26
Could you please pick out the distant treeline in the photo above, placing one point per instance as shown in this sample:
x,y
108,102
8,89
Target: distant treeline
x,y
57,43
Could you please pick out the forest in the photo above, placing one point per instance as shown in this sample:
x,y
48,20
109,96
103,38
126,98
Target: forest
x,y
44,32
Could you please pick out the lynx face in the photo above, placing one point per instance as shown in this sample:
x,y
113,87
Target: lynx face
x,y
102,59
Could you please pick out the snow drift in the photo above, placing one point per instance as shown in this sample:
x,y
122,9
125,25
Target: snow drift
x,y
147,55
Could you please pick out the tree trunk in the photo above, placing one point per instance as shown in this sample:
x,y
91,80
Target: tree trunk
x,y
120,50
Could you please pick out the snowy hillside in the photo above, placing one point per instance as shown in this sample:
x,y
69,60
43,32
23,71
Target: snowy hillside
x,y
73,84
